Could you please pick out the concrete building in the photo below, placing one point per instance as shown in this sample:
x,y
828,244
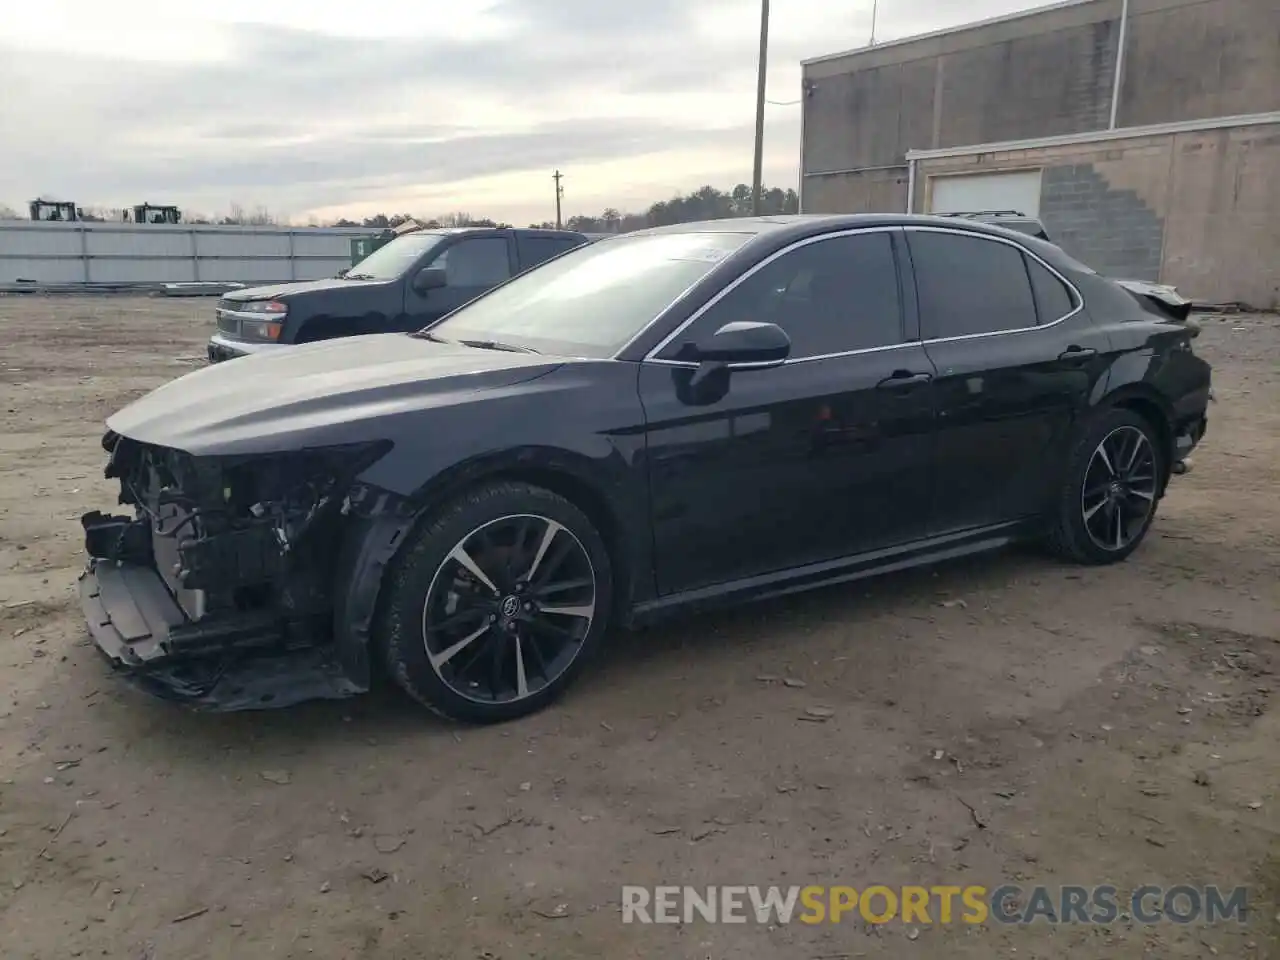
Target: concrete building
x,y
1148,144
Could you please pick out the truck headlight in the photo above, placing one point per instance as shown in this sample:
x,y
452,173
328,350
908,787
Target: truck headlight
x,y
268,330
269,327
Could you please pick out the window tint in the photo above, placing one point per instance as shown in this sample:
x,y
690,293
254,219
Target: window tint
x,y
392,259
969,285
831,296
533,250
1053,300
480,262
596,297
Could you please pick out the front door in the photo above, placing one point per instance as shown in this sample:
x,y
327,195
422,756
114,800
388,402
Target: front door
x,y
820,458
472,265
1016,362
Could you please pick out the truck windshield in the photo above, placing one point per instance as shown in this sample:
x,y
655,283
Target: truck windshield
x,y
395,258
591,301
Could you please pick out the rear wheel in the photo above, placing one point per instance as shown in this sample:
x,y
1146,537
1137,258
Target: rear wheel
x,y
1113,482
498,603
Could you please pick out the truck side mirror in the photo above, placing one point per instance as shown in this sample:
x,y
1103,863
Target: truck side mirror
x,y
429,278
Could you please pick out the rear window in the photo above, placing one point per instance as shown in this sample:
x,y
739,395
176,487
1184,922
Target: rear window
x,y
1053,300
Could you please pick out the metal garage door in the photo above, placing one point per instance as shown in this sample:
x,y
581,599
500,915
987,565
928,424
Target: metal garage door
x,y
987,191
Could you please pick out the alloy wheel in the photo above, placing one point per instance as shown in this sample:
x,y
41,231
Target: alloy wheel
x,y
507,611
1119,491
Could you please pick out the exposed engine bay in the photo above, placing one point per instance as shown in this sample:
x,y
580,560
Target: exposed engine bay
x,y
226,562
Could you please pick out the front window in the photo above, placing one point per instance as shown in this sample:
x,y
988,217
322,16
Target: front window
x,y
591,301
394,259
832,296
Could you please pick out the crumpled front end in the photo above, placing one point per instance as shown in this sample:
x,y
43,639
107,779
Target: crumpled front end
x,y
218,589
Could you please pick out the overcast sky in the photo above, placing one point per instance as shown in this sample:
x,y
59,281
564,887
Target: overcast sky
x,y
327,108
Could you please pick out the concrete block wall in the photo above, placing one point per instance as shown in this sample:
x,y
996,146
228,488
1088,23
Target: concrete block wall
x,y
1036,86
1113,230
1195,59
1199,210
1046,73
856,193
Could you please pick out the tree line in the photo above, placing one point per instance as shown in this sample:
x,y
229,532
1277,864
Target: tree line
x,y
705,203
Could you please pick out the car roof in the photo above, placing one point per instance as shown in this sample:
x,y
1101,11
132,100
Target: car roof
x,y
799,225
775,232
549,231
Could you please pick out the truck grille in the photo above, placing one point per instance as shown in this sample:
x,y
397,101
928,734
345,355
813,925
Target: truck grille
x,y
227,321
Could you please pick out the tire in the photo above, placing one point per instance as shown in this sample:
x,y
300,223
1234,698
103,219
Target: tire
x,y
1084,527
463,632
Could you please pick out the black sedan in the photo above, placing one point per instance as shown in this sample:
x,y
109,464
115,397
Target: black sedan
x,y
666,419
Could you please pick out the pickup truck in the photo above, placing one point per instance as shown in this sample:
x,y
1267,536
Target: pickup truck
x,y
403,286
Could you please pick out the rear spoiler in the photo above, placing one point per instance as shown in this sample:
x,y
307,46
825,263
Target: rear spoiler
x,y
1159,298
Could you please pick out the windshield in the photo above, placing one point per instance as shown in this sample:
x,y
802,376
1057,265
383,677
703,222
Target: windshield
x,y
591,301
392,260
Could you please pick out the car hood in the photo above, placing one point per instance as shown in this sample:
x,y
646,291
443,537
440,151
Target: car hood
x,y
330,392
278,291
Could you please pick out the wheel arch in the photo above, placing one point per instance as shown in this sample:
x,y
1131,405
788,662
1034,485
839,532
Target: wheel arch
x,y
1147,402
597,487
374,546
568,475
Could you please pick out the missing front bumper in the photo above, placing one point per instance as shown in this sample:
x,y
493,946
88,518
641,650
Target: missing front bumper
x,y
220,665
222,588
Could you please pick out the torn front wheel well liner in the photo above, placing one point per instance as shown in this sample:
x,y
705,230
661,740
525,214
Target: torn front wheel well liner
x,y
367,551
375,541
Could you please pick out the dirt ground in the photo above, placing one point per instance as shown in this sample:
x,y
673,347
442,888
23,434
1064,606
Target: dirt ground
x,y
1007,719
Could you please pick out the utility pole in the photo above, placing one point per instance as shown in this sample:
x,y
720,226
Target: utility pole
x,y
559,193
875,6
757,172
1119,77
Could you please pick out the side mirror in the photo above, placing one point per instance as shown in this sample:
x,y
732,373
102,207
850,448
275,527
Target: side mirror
x,y
428,278
746,342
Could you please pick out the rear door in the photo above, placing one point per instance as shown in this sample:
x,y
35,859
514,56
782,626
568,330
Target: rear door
x,y
472,265
1016,359
823,457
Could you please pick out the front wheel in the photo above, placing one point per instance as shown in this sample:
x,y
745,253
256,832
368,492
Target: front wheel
x,y
1113,481
497,603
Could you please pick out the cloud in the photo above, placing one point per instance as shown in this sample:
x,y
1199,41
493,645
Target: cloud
x,y
327,106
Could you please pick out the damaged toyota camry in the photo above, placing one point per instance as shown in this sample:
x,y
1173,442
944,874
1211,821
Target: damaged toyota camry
x,y
661,420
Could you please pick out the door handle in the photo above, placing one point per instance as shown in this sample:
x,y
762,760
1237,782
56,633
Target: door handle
x,y
1077,353
903,378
